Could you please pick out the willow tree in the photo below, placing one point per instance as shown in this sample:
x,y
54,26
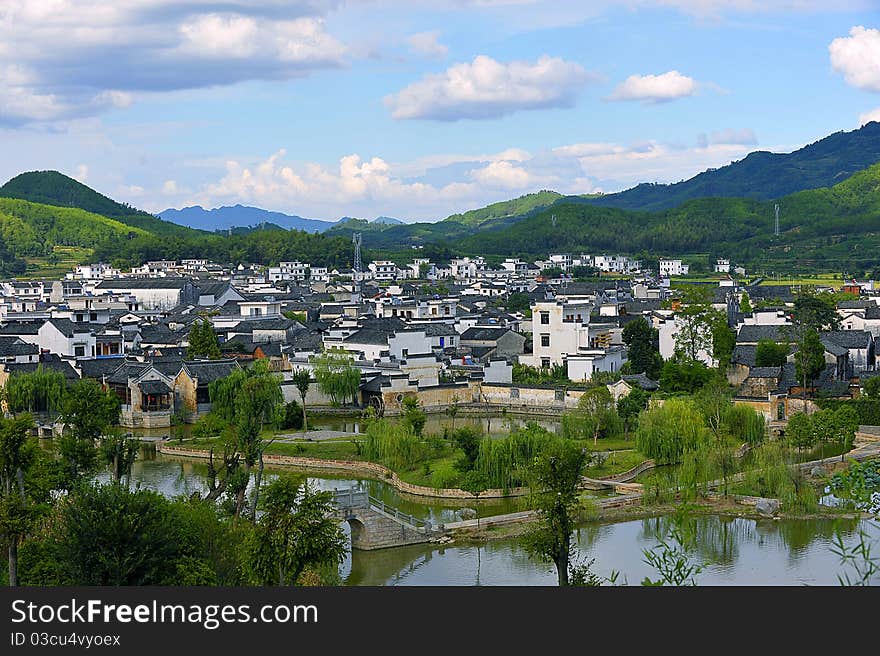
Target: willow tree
x,y
41,390
337,376
667,432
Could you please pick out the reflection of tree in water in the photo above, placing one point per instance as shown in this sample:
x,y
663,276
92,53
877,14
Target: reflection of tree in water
x,y
716,540
383,566
798,535
587,535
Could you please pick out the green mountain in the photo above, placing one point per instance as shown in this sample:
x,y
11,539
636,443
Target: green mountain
x,y
33,229
58,190
837,227
506,209
761,175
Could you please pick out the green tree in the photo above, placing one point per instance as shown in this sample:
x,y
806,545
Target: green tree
x,y
41,390
714,402
643,352
666,432
695,319
119,453
771,354
596,406
203,341
302,379
256,404
629,407
871,387
413,415
723,340
809,358
17,455
468,440
745,304
683,375
816,311
297,530
112,536
799,431
88,413
555,477
337,376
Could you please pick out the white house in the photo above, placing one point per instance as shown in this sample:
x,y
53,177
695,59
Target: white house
x,y
672,268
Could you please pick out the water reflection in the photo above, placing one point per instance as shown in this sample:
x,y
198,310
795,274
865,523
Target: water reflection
x,y
735,551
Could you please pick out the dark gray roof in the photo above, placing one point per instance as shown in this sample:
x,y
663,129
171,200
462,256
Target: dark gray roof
x,y
872,311
368,336
21,328
144,283
834,349
52,362
764,372
374,384
210,370
484,333
436,328
97,368
642,381
154,387
850,339
70,328
753,334
281,323
770,292
860,303
744,354
12,346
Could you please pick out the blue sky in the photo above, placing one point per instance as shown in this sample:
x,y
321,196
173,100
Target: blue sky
x,y
419,109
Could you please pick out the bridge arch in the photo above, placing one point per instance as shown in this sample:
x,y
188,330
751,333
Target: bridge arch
x,y
358,531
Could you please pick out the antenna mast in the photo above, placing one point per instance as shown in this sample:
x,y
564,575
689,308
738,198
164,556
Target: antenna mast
x,y
776,208
356,240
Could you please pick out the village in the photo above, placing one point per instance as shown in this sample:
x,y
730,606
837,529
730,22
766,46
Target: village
x,y
449,334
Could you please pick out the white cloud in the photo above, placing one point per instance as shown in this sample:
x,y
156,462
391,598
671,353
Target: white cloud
x,y
503,175
62,59
867,117
446,184
428,44
655,88
857,57
486,88
169,187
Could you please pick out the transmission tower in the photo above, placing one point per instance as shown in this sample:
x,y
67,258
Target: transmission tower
x,y
356,240
776,209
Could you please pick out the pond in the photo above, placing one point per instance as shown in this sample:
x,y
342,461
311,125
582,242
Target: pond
x,y
735,551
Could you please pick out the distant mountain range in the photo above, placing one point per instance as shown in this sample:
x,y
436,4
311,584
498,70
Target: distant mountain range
x,y
761,174
243,216
830,219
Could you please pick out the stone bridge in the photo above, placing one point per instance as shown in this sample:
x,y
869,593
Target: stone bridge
x,y
375,525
